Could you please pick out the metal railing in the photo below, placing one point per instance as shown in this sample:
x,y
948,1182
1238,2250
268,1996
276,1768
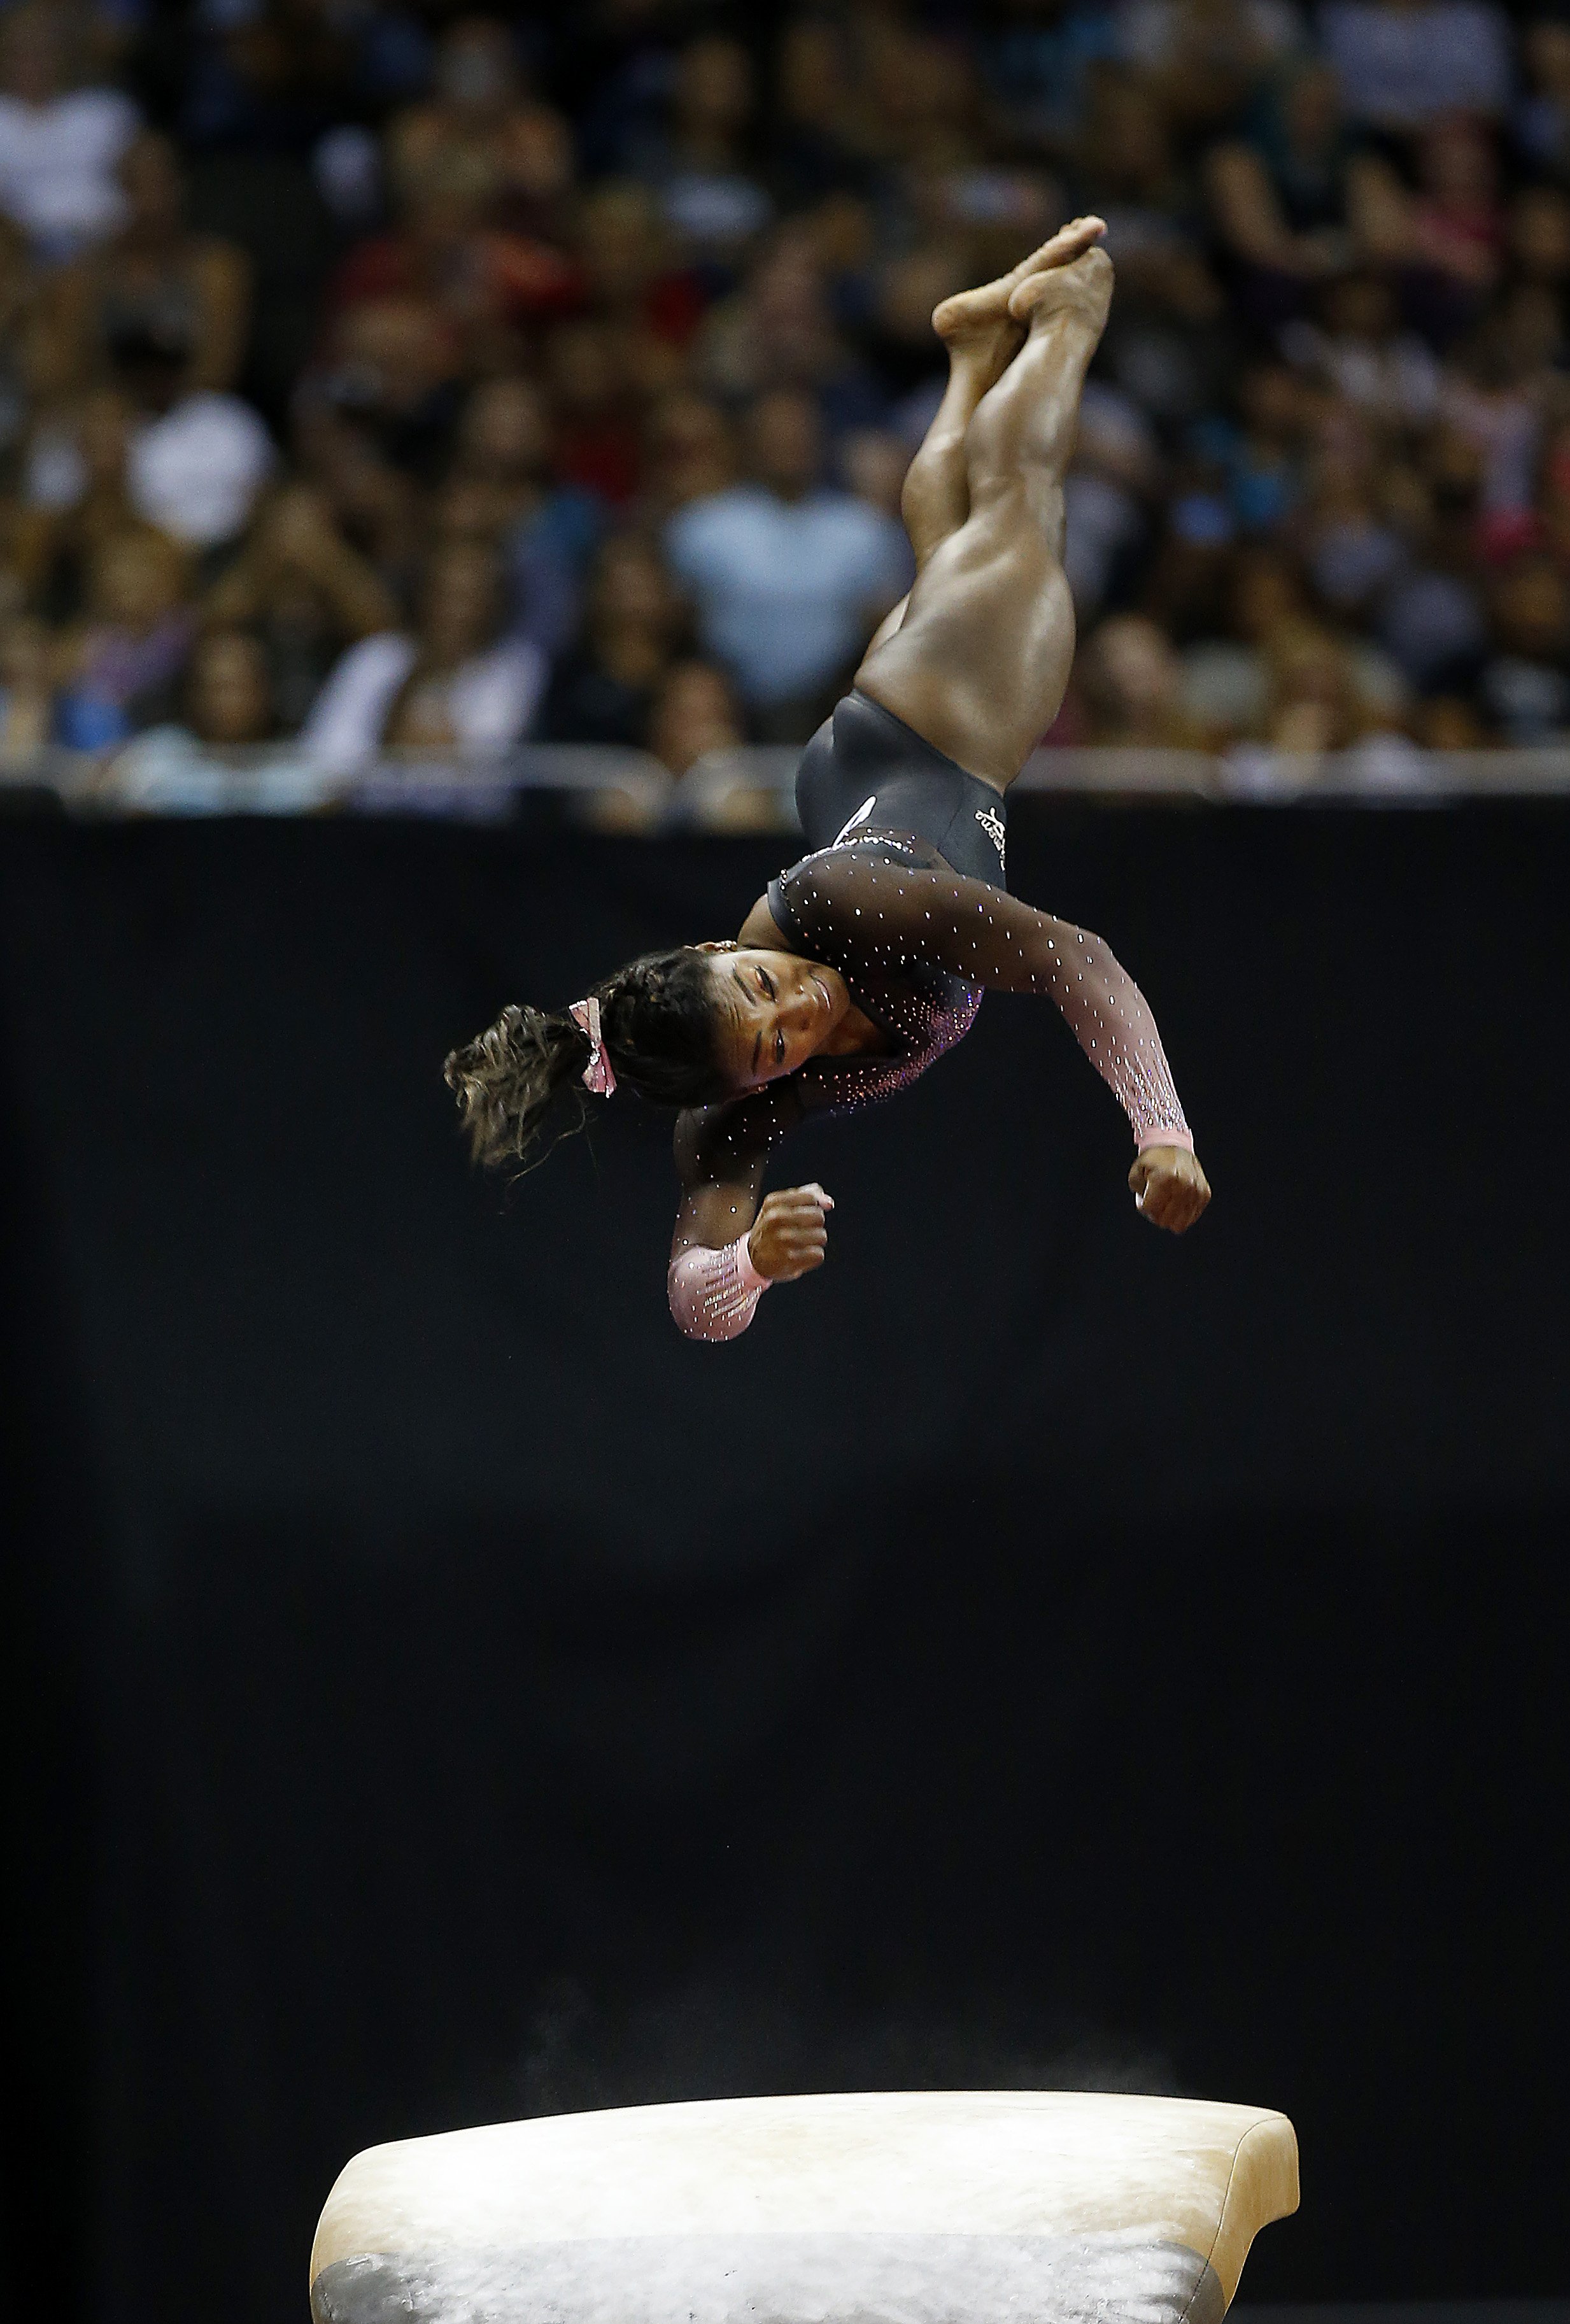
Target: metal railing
x,y
167,773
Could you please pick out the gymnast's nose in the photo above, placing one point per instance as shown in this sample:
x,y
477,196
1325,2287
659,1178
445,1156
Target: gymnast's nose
x,y
801,1009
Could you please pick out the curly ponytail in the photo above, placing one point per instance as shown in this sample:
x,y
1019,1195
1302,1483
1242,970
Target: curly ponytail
x,y
657,1024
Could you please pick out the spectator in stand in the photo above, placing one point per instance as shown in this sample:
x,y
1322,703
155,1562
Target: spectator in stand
x,y
1525,686
78,492
604,688
228,695
27,709
1264,455
789,577
376,506
458,684
1360,352
302,595
927,102
121,666
387,394
486,284
824,133
224,721
694,713
1167,344
1444,239
898,333
1133,685
1403,63
1226,675
1352,549
1538,233
1316,701
1128,161
153,277
631,278
24,347
1554,497
480,109
689,453
1205,57
594,396
197,460
699,160
59,145
1104,494
1037,58
777,331
874,463
1431,621
502,487
1541,124
268,76
1279,196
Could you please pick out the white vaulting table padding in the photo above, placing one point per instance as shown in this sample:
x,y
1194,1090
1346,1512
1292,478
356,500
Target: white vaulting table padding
x,y
935,2208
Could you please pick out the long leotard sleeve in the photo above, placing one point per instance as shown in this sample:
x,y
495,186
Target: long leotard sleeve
x,y
880,920
896,932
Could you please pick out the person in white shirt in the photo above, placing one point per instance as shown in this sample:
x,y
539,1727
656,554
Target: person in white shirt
x,y
196,470
195,463
456,685
58,146
789,577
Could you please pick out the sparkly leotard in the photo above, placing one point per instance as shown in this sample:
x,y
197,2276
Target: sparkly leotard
x,y
918,943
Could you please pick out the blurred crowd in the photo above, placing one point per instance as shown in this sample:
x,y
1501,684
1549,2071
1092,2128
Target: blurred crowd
x,y
399,376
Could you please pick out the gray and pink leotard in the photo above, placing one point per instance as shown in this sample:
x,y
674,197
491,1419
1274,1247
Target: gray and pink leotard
x,y
918,940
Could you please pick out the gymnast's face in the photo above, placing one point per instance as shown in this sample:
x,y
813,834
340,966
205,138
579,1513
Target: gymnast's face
x,y
774,1011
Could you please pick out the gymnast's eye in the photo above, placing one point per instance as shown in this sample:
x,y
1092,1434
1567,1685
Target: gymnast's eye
x,y
767,981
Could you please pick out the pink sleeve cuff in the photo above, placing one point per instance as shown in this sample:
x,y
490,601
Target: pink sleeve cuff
x,y
746,1273
1183,1138
714,1294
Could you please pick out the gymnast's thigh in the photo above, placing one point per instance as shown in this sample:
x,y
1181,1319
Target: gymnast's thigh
x,y
980,663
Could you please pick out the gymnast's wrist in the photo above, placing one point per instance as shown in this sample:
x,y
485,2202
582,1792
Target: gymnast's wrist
x,y
751,1277
1183,1139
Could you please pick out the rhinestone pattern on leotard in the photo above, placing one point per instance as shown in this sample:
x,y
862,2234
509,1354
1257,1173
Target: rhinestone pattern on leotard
x,y
923,944
713,1294
917,946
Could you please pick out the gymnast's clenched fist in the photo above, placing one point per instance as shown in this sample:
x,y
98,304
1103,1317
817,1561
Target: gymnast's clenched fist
x,y
791,1234
1169,1188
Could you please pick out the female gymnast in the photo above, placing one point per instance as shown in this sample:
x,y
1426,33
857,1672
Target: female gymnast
x,y
867,959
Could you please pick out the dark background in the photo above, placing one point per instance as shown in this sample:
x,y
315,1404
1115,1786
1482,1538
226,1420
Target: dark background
x,y
1039,1653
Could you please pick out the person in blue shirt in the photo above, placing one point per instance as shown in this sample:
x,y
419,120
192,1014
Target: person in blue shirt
x,y
788,577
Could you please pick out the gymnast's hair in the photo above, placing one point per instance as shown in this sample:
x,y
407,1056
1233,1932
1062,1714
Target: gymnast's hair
x,y
657,1023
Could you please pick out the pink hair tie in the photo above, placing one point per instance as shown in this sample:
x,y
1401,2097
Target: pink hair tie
x,y
597,1075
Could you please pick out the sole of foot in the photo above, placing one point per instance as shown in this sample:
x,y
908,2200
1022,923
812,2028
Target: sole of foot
x,y
1084,287
980,319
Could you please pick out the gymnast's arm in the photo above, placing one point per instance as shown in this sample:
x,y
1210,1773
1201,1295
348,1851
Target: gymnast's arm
x,y
728,1248
898,918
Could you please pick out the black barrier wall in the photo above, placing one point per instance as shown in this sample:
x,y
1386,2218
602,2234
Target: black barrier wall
x,y
1038,1653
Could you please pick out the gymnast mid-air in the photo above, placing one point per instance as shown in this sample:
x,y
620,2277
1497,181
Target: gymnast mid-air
x,y
868,957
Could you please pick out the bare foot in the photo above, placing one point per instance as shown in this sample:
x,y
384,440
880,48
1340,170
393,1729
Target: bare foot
x,y
1061,249
976,327
978,322
1084,287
